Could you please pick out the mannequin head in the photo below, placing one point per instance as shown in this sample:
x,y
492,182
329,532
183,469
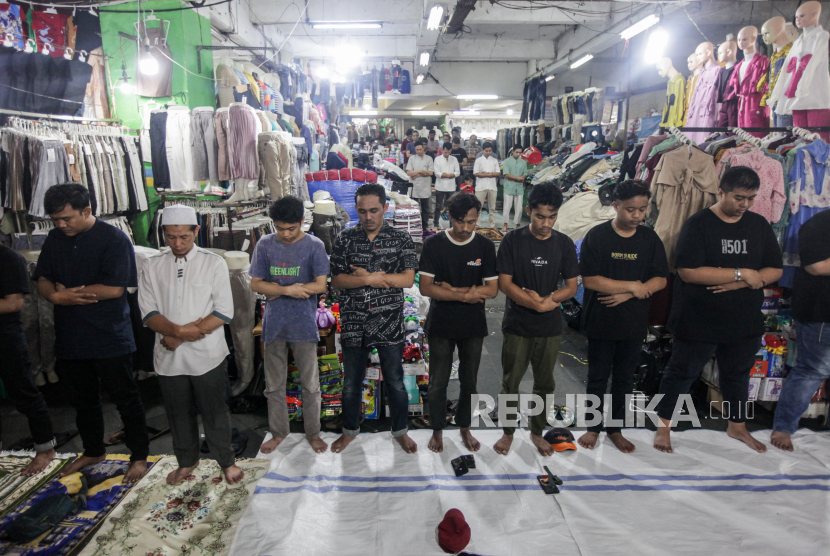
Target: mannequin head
x,y
692,63
746,40
665,68
773,30
791,31
727,52
705,53
807,14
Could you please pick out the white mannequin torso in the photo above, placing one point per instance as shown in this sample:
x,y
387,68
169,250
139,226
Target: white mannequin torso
x,y
744,66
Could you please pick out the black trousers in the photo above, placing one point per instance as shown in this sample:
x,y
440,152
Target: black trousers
x,y
735,360
615,359
440,199
158,150
424,213
440,367
82,380
16,374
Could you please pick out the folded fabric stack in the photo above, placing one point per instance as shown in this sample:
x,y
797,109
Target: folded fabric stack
x,y
409,220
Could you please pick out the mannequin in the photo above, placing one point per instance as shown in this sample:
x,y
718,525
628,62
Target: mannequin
x,y
792,31
244,305
703,108
242,150
748,81
694,72
314,162
803,89
774,32
727,96
675,94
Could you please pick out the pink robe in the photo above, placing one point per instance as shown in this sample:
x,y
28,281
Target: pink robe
x,y
750,111
703,108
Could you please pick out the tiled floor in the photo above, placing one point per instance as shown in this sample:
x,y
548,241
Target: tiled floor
x,y
570,375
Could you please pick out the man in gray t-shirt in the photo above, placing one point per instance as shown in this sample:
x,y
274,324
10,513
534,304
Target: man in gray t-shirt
x,y
419,169
290,268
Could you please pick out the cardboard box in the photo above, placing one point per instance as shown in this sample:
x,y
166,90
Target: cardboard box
x,y
371,407
373,373
772,296
821,393
754,388
412,391
770,389
759,370
414,369
775,365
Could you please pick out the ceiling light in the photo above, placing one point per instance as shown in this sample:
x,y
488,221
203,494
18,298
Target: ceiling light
x,y
638,28
477,97
425,113
582,60
125,86
509,111
322,72
363,113
657,42
419,79
347,25
147,64
424,60
435,15
549,77
465,113
347,55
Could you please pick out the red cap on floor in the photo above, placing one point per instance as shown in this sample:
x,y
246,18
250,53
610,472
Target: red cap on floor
x,y
453,532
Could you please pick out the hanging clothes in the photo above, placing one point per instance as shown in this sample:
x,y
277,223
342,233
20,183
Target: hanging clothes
x,y
673,109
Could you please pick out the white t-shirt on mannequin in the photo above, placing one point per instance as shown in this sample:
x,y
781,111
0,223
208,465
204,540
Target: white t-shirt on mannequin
x,y
745,65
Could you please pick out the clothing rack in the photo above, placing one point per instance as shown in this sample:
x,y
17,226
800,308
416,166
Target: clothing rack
x,y
755,129
55,116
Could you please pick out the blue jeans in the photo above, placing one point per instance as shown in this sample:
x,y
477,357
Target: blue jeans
x,y
354,363
812,367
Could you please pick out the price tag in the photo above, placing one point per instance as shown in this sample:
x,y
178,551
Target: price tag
x,y
245,245
99,148
71,159
87,150
50,155
108,149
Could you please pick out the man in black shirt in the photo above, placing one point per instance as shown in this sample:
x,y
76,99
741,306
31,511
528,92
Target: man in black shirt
x,y
725,257
811,311
14,360
531,261
371,264
84,269
460,154
622,265
458,272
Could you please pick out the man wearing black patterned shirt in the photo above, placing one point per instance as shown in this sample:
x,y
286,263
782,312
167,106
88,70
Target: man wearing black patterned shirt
x,y
371,264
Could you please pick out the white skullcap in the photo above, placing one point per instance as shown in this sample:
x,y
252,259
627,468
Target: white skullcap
x,y
321,194
179,215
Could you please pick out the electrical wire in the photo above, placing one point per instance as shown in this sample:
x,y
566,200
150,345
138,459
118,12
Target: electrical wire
x,y
695,24
286,38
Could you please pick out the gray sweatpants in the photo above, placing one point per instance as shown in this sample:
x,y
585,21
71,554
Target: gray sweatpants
x,y
276,374
205,151
182,394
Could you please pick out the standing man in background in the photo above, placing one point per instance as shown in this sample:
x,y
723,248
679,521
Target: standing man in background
x,y
515,170
447,170
84,269
432,143
487,171
420,168
290,268
14,362
185,298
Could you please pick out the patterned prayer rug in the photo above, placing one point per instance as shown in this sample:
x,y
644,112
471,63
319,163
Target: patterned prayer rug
x,y
14,486
197,517
105,491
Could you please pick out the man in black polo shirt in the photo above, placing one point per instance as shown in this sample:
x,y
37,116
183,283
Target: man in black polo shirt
x,y
371,264
622,265
725,257
458,272
531,262
460,154
14,360
811,311
84,269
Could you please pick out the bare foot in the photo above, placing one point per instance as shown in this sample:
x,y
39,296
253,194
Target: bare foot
x,y
135,471
662,439
782,441
503,445
504,230
340,444
79,464
39,463
317,444
541,444
436,443
178,475
738,432
469,440
233,474
271,445
588,440
407,444
623,445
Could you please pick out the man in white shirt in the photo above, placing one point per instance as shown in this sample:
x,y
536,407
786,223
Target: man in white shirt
x,y
446,169
185,298
419,168
487,171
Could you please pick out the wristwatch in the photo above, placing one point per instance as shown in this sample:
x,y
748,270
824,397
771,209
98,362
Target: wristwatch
x,y
737,274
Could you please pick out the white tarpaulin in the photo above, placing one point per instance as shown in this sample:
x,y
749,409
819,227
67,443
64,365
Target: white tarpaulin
x,y
712,496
